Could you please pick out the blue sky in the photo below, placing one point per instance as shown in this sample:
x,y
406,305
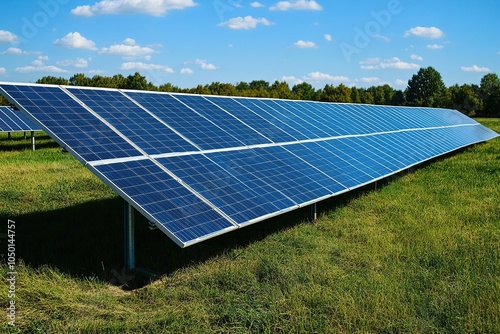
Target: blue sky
x,y
191,42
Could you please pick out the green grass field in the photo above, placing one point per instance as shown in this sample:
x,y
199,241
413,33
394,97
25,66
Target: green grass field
x,y
420,254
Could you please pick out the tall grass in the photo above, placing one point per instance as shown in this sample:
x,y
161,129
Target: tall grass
x,y
420,254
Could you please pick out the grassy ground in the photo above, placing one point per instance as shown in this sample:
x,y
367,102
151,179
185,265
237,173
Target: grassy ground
x,y
420,254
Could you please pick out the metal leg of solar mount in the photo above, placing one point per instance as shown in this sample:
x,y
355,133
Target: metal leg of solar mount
x,y
8,135
24,134
129,223
314,213
32,140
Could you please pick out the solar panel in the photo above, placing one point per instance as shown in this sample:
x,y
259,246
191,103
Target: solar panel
x,y
199,166
13,121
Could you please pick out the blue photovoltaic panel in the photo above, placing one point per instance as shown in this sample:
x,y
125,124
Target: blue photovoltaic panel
x,y
253,120
164,200
310,117
13,120
303,125
272,117
241,200
135,123
199,166
231,125
198,129
73,126
278,168
338,118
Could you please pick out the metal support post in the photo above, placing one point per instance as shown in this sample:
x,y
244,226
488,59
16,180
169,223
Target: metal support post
x,y
24,135
129,225
8,135
33,140
314,214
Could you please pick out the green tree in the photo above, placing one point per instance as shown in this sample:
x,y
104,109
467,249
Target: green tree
x,y
490,94
168,87
367,97
226,89
280,90
119,81
466,99
200,89
53,80
101,81
341,93
378,93
137,81
79,79
259,88
426,88
356,94
304,91
242,88
398,99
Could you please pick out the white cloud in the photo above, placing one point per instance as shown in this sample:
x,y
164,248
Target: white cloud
x,y
129,41
297,4
205,65
370,80
74,40
7,37
247,22
186,70
328,37
256,4
318,76
425,32
3,70
304,44
38,66
434,46
78,62
19,52
416,57
291,79
382,64
13,51
37,62
475,68
410,47
128,48
150,7
400,82
382,37
146,67
96,72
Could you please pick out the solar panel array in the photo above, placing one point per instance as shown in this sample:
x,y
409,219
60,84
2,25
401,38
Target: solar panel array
x,y
14,121
199,166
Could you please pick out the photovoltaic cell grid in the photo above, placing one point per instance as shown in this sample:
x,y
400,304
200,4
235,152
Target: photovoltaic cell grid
x,y
14,121
199,166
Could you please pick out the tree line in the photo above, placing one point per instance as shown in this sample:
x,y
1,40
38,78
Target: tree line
x,y
425,89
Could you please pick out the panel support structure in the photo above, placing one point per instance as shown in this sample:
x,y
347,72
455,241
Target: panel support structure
x,y
314,213
129,237
32,140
